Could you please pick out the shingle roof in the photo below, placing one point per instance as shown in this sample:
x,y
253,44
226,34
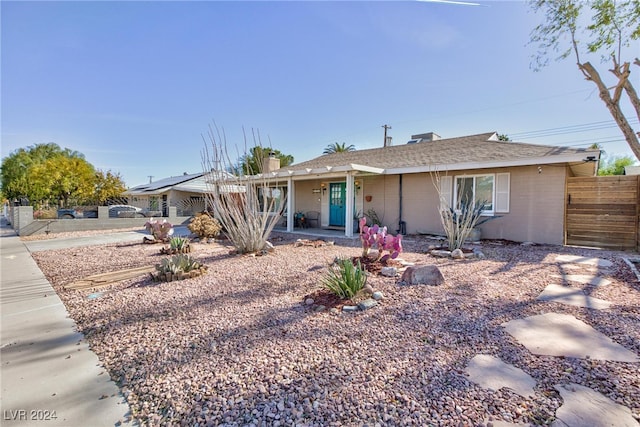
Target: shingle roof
x,y
473,149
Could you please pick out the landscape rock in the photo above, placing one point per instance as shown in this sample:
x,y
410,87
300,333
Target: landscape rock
x,y
367,304
440,253
309,301
457,254
389,271
377,295
478,253
422,275
350,308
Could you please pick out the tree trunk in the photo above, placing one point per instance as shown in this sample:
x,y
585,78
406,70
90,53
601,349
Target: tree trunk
x,y
613,106
622,73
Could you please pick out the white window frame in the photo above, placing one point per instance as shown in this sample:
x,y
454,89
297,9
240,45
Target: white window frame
x,y
485,212
281,188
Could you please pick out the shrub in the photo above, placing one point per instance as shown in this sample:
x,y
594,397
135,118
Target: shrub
x,y
345,279
372,218
205,226
377,237
160,231
45,214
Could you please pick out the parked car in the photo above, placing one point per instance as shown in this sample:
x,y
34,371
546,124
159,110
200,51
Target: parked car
x,y
74,213
125,211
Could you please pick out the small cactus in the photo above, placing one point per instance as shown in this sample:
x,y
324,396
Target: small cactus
x,y
377,237
161,231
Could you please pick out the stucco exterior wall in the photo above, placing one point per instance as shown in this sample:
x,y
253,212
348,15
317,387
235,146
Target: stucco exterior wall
x,y
385,198
420,204
536,212
537,207
306,200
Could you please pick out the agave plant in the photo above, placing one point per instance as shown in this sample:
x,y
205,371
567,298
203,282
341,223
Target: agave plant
x,y
345,279
178,263
179,244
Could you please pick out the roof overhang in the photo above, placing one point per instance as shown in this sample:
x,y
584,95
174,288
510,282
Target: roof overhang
x,y
581,164
325,171
577,161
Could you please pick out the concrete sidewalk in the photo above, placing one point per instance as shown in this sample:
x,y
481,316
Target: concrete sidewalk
x,y
49,376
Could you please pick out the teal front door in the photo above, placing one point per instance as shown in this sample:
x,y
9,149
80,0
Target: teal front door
x,y
337,198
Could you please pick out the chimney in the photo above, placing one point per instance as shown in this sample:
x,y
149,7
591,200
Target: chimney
x,y
424,137
271,163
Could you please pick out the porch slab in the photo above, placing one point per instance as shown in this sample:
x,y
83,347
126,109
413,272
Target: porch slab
x,y
554,334
492,373
583,406
572,296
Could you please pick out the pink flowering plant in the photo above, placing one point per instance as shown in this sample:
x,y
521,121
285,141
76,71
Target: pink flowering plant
x,y
376,237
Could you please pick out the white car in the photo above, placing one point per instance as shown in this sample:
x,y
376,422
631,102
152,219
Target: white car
x,y
125,211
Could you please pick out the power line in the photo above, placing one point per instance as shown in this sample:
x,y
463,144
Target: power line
x,y
569,129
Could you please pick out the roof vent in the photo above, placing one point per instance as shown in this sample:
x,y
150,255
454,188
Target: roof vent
x,y
424,137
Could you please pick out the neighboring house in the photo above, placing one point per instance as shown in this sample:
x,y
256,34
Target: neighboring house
x,y
524,185
185,192
632,170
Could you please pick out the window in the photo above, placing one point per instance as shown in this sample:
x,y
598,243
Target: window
x,y
269,195
153,203
490,189
473,190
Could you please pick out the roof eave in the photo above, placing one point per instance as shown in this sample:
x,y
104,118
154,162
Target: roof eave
x,y
529,161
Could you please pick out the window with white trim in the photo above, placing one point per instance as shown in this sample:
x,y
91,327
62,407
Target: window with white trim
x,y
271,198
490,189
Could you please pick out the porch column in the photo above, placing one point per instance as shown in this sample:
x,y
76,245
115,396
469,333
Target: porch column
x,y
348,219
290,203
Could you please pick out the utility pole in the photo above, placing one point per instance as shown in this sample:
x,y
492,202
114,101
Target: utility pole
x,y
385,134
150,178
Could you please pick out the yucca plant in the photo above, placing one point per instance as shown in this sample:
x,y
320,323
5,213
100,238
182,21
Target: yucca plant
x,y
345,279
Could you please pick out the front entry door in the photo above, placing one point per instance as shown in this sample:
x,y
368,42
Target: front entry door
x,y
337,198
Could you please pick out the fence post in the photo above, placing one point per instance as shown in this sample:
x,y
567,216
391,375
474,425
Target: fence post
x,y
103,212
638,214
23,217
173,212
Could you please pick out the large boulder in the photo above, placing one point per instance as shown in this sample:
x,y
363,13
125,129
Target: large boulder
x,y
422,275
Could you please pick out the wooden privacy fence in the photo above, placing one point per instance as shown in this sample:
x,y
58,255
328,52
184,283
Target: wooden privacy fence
x,y
603,211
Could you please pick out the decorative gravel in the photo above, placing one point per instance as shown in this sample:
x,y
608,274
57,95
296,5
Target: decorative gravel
x,y
239,346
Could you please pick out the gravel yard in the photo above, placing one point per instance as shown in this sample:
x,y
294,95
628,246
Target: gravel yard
x,y
238,346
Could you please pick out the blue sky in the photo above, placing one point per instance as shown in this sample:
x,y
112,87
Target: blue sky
x,y
134,85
